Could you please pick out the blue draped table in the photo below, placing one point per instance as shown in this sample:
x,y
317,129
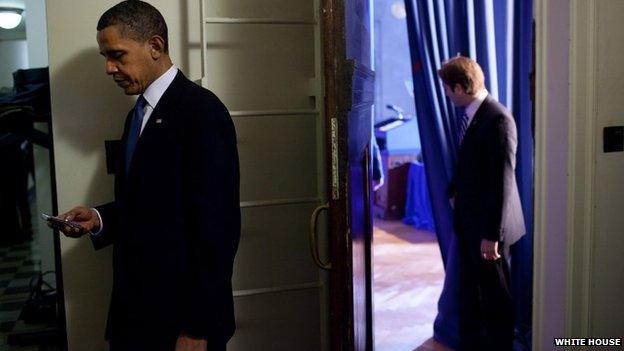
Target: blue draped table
x,y
417,203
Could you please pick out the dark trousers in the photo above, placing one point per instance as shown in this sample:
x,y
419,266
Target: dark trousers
x,y
486,315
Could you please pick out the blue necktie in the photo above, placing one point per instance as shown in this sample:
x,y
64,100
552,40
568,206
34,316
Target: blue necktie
x,y
463,126
135,130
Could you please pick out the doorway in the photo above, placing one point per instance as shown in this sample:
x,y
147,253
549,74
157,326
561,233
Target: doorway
x,y
32,311
408,272
402,205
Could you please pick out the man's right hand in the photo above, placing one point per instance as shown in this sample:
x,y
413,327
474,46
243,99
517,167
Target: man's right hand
x,y
85,217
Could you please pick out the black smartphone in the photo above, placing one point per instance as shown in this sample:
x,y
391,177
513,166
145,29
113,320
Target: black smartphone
x,y
58,223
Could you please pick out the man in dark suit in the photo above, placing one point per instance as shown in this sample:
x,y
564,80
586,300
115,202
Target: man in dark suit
x,y
175,221
487,213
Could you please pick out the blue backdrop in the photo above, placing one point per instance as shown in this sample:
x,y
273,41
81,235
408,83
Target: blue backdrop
x,y
497,34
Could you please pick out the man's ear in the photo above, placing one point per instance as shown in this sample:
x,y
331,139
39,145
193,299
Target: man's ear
x,y
458,89
157,46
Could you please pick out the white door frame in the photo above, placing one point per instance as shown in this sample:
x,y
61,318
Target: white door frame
x,y
565,140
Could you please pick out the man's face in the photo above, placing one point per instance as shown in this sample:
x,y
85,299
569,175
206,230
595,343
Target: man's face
x,y
129,62
457,95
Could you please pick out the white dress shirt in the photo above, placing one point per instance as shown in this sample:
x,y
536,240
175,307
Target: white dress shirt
x,y
472,108
152,95
155,91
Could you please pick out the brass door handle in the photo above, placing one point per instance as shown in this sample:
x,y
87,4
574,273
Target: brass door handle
x,y
314,239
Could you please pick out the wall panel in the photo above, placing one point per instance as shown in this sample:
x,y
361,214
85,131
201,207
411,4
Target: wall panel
x,y
278,157
607,278
261,66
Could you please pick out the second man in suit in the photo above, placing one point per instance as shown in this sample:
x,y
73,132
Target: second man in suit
x,y
487,213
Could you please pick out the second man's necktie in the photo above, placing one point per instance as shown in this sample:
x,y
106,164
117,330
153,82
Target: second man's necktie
x,y
463,126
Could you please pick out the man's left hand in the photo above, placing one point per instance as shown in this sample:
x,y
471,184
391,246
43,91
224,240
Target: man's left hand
x,y
378,184
489,250
186,342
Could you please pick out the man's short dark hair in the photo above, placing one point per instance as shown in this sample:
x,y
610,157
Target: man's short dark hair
x,y
137,20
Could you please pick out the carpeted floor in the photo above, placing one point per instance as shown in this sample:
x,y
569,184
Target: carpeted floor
x,y
408,278
19,263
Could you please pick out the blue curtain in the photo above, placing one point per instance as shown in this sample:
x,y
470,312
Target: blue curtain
x,y
497,34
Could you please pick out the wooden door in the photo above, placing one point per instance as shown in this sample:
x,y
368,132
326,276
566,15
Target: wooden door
x,y
349,82
262,58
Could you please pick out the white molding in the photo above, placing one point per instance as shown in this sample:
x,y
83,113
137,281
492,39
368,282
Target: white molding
x,y
204,44
582,176
590,167
578,105
540,173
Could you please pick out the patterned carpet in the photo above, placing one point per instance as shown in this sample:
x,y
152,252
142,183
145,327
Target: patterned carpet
x,y
18,264
408,278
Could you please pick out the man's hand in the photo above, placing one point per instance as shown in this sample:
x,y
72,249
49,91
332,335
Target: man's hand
x,y
190,343
378,184
85,217
489,250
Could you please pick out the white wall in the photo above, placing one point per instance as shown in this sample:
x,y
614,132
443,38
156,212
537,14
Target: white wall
x,y
36,33
551,171
607,241
13,56
579,192
596,192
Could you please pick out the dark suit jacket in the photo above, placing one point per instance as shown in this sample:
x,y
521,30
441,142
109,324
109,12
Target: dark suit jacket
x,y
487,203
175,221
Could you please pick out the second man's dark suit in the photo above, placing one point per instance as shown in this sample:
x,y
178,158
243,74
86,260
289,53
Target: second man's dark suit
x,y
175,222
487,206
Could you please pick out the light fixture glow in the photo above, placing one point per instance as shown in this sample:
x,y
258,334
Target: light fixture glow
x,y
398,10
10,18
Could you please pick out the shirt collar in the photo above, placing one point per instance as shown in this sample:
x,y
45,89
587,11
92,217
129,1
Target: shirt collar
x,y
472,108
155,91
